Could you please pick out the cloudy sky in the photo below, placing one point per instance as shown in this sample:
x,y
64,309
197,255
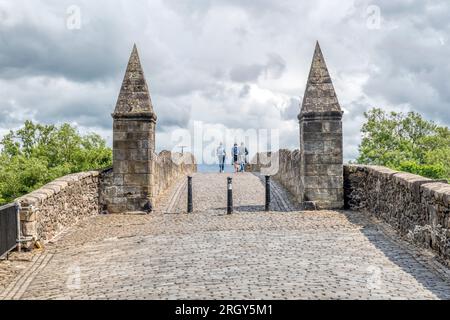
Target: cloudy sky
x,y
227,63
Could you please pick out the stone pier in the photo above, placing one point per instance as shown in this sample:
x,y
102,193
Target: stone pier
x,y
321,165
133,143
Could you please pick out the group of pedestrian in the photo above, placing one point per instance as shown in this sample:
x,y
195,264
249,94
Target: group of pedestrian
x,y
239,155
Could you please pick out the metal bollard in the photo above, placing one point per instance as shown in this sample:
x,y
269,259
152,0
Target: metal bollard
x,y
190,205
268,193
230,196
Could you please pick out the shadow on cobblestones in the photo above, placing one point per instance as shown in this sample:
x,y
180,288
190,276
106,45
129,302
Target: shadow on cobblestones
x,y
399,252
281,199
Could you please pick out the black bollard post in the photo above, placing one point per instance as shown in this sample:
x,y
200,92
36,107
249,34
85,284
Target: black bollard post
x,y
190,206
230,196
267,193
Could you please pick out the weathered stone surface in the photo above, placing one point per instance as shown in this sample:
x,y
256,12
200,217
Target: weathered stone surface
x,y
133,144
319,94
324,194
169,167
321,155
323,183
315,169
416,206
58,205
323,159
284,167
320,136
134,98
313,147
120,192
29,228
136,179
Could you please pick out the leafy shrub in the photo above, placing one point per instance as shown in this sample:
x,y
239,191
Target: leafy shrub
x,y
405,142
37,154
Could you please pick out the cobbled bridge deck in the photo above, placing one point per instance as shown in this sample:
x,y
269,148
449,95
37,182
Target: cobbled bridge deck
x,y
252,254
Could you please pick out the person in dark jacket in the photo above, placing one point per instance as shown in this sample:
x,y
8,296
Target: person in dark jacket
x,y
235,155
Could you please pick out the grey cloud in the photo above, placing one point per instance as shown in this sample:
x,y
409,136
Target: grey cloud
x,y
39,46
175,82
8,120
246,73
28,50
245,91
171,112
291,112
217,92
412,62
222,61
200,8
89,113
225,105
273,69
275,66
56,101
400,8
352,123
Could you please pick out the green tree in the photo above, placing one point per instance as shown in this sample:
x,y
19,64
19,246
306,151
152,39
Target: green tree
x,y
37,154
405,142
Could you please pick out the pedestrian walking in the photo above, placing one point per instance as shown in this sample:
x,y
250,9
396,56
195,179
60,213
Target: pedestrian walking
x,y
243,153
221,155
235,154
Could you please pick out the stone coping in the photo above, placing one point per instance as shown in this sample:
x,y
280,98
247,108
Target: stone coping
x,y
38,196
139,116
320,115
440,189
176,158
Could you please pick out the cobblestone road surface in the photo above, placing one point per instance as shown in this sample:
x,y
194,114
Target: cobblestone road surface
x,y
248,255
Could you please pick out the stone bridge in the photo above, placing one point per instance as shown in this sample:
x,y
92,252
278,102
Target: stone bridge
x,y
332,231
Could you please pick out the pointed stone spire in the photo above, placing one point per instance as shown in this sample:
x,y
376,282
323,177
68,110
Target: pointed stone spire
x,y
320,96
134,98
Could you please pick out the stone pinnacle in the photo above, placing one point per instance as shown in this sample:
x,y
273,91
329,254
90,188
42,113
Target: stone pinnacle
x,y
319,95
134,97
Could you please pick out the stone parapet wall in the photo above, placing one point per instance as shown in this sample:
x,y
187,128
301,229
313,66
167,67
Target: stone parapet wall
x,y
60,204
169,167
323,178
418,207
166,168
284,167
107,190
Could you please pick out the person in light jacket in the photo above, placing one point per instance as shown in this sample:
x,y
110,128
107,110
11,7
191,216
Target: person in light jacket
x,y
221,154
243,152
